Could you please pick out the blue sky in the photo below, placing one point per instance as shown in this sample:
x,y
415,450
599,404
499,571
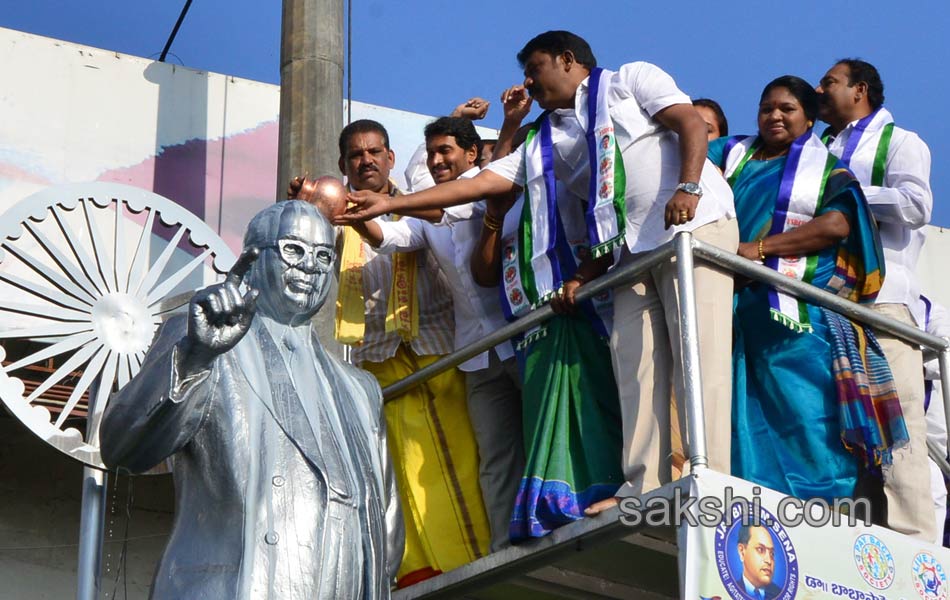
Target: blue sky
x,y
427,56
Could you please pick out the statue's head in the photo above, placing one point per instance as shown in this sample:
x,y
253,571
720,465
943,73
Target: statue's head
x,y
294,269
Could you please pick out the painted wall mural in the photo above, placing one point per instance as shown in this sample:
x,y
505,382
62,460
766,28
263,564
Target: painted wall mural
x,y
70,113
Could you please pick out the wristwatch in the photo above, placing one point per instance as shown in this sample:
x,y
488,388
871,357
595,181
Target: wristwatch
x,y
691,188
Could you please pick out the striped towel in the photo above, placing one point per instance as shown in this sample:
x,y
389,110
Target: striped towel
x,y
872,424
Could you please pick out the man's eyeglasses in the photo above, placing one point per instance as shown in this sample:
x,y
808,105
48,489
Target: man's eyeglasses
x,y
295,252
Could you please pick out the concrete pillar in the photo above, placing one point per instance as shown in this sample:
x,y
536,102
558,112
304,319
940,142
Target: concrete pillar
x,y
311,89
311,108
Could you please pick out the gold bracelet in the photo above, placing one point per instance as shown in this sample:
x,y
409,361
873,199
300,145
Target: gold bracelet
x,y
491,223
762,249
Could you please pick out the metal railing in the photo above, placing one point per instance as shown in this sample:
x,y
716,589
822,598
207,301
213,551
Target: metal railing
x,y
684,248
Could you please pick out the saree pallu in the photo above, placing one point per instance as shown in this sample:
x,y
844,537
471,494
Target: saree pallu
x,y
787,419
571,428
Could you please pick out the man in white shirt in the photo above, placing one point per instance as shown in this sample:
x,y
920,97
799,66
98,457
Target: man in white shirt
x,y
893,166
417,173
492,379
669,187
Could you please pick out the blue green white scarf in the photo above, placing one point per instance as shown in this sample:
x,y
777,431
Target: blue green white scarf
x,y
803,182
866,150
532,270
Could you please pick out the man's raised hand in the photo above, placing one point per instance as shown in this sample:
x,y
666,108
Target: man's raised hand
x,y
516,103
363,206
472,109
219,315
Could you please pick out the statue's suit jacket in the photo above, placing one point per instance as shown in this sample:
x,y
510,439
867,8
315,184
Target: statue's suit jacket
x,y
256,514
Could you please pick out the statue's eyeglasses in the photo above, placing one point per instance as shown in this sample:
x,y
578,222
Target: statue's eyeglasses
x,y
295,252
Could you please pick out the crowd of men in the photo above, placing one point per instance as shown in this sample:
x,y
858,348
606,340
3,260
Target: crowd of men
x,y
411,291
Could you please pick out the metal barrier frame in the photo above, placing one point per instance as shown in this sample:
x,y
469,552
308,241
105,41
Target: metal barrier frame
x,y
684,248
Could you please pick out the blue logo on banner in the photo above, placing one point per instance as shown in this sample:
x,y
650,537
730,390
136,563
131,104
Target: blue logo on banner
x,y
757,560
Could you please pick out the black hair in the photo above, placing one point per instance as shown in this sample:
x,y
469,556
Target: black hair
x,y
864,72
798,87
556,43
720,116
460,128
745,532
362,126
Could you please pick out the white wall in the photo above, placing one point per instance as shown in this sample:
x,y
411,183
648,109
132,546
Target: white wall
x,y
71,113
934,266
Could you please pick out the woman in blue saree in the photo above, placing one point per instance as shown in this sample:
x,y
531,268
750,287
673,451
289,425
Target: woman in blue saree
x,y
813,400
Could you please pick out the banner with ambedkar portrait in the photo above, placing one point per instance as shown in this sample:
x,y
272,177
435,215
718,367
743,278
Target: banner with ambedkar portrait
x,y
761,545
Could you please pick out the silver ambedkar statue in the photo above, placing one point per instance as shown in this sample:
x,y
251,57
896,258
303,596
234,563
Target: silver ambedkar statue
x,y
282,477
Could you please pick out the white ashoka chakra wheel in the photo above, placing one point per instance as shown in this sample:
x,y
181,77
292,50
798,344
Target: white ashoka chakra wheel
x,y
87,274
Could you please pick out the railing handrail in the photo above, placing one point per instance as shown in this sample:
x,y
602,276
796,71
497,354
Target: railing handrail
x,y
707,252
685,248
610,280
799,289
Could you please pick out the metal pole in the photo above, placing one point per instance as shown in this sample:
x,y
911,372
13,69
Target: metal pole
x,y
944,362
174,33
91,519
689,352
941,461
94,491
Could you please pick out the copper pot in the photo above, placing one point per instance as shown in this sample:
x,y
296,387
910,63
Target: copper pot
x,y
327,193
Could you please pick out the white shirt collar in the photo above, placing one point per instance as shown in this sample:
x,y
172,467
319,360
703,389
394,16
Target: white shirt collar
x,y
850,126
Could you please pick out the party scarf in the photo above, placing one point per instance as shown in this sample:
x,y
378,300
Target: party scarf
x,y
402,308
350,305
514,298
807,168
538,272
865,153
